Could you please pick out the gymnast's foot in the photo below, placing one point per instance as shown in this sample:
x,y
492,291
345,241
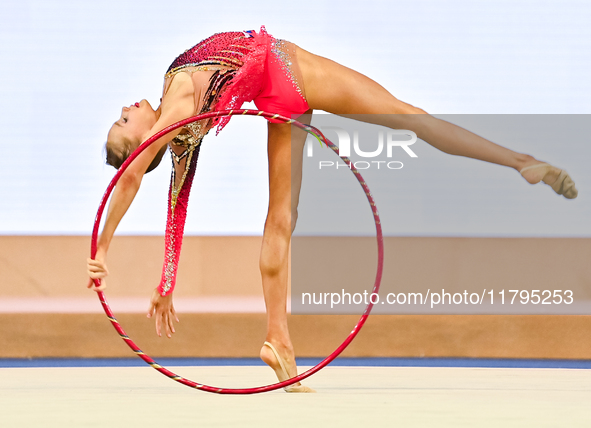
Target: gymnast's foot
x,y
556,178
283,368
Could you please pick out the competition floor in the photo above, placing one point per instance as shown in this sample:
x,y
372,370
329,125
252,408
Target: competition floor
x,y
369,392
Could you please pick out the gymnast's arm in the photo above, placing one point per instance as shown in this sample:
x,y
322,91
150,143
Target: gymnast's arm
x,y
184,163
178,105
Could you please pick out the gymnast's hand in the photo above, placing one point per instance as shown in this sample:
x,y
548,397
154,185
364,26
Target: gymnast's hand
x,y
162,309
96,269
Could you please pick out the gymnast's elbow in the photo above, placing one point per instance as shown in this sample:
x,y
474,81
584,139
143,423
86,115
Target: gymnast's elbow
x,y
130,180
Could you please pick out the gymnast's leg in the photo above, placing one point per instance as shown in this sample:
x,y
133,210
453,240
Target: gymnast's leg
x,y
337,89
284,141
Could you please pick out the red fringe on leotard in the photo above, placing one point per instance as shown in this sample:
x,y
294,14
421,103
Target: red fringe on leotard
x,y
248,81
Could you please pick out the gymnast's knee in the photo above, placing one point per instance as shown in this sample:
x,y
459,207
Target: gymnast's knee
x,y
278,222
402,107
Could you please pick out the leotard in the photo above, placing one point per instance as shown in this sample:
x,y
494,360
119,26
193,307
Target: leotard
x,y
227,70
247,66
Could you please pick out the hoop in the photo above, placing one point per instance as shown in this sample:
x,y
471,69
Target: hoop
x,y
216,114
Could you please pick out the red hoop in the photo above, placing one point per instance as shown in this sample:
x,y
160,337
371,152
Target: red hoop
x,y
311,130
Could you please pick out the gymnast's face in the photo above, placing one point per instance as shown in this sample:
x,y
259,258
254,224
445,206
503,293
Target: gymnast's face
x,y
134,124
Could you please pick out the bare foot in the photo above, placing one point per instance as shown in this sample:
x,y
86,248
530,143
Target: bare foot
x,y
284,368
556,178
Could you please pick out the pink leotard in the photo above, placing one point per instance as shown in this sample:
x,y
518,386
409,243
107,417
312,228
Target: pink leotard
x,y
281,87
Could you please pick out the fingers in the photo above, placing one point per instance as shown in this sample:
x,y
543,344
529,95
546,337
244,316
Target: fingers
x,y
151,308
161,318
96,263
97,275
158,319
96,267
170,328
175,315
162,310
92,285
97,271
163,321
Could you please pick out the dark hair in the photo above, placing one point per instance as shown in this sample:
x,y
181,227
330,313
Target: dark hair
x,y
116,154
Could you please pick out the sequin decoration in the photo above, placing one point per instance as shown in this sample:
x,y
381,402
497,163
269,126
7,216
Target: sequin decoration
x,y
191,144
178,200
244,53
194,68
227,49
281,49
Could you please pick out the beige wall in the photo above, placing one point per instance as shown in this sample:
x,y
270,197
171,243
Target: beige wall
x,y
242,335
37,266
40,266
54,267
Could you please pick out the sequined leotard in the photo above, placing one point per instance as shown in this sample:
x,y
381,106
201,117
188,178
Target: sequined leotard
x,y
227,70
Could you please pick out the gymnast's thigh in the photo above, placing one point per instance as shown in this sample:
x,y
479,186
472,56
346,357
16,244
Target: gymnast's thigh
x,y
337,89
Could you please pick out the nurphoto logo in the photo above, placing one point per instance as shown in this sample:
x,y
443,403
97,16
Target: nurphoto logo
x,y
393,140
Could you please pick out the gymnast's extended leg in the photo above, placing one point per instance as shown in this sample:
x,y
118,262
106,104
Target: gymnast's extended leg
x,y
337,89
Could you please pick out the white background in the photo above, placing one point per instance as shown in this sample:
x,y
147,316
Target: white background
x,y
68,67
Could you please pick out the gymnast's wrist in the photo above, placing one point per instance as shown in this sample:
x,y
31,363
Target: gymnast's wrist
x,y
165,288
101,253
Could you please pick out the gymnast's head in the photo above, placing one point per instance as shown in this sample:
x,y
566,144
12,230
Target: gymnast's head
x,y
129,131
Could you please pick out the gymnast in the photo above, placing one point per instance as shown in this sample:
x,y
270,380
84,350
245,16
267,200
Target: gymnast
x,y
224,71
